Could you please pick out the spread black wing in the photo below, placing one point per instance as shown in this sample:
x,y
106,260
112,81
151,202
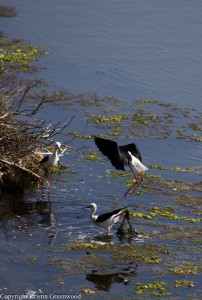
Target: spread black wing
x,y
44,159
108,215
133,148
111,150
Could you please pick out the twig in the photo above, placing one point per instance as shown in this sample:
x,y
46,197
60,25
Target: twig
x,y
22,168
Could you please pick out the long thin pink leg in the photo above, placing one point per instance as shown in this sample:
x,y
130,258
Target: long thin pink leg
x,y
49,180
138,183
135,175
135,185
136,178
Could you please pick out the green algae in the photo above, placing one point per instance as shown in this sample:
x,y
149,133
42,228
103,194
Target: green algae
x,y
187,269
156,184
113,119
168,213
189,169
88,291
92,245
116,131
143,101
18,55
189,201
80,135
144,118
115,174
107,253
91,155
156,288
184,283
156,167
32,260
140,215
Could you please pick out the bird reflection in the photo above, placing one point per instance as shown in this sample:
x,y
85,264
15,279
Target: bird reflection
x,y
103,238
17,208
104,279
43,208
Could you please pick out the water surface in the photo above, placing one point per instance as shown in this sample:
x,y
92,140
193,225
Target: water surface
x,y
129,50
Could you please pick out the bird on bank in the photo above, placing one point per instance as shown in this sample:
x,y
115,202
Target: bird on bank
x,y
106,220
51,160
121,156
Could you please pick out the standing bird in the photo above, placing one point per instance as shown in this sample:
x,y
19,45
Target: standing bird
x,y
51,160
121,156
106,220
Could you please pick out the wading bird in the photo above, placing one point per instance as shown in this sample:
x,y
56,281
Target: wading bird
x,y
121,156
106,220
51,160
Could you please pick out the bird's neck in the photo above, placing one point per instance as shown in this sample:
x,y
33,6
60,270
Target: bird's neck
x,y
55,151
93,216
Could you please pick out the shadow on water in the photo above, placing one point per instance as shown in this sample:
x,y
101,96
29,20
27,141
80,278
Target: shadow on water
x,y
103,280
127,239
18,212
12,205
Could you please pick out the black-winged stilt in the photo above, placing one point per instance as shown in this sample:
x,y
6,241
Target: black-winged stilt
x,y
121,156
106,220
51,160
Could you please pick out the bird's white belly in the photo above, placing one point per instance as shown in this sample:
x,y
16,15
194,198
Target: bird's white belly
x,y
51,162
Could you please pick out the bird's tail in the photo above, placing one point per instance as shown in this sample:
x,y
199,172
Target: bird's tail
x,y
140,167
121,211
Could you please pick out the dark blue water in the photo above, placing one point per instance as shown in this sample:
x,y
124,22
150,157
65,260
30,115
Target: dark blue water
x,y
126,49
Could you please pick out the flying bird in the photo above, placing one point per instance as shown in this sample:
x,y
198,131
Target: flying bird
x,y
121,156
106,220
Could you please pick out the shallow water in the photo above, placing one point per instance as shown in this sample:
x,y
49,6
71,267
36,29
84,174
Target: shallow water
x,y
128,50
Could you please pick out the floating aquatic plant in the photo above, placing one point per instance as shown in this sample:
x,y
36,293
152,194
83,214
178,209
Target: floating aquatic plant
x,y
13,54
91,155
115,174
143,101
115,132
140,215
184,283
156,288
79,135
156,167
88,291
32,260
187,269
168,213
114,119
92,245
